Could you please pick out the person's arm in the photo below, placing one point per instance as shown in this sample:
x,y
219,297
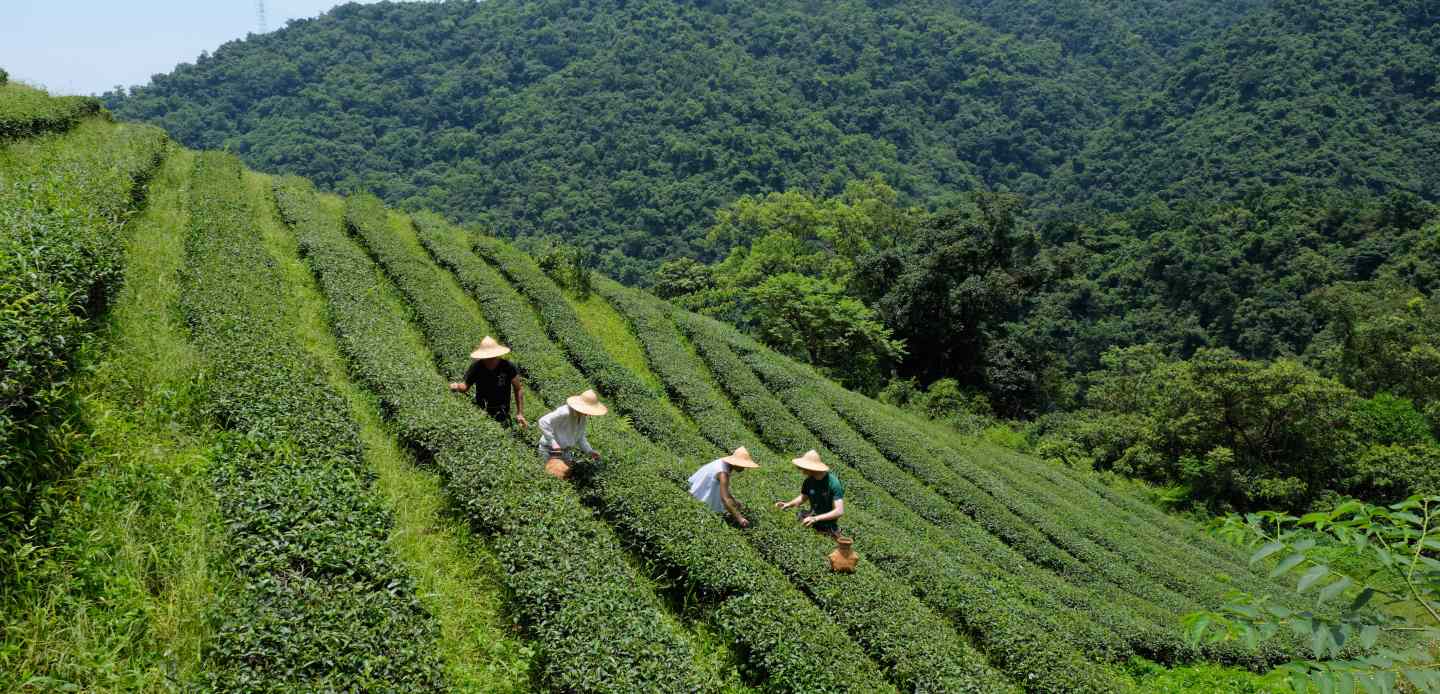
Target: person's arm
x,y
519,385
729,501
469,379
834,513
791,503
585,441
464,383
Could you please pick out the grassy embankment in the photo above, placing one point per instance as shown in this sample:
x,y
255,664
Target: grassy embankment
x,y
117,596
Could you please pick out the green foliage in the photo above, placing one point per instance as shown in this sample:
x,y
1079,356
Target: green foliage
x,y
1328,94
680,276
27,112
918,651
1398,593
113,592
569,267
1232,433
1388,420
1203,679
637,491
944,400
598,628
1381,336
624,160
64,200
1257,176
323,604
813,320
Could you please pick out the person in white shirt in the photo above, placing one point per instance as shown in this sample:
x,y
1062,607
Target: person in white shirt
x,y
565,428
711,483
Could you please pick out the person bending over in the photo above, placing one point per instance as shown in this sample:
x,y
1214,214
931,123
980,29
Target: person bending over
x,y
823,490
565,428
711,483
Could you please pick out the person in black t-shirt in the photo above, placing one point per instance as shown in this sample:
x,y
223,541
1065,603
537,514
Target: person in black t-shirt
x,y
492,379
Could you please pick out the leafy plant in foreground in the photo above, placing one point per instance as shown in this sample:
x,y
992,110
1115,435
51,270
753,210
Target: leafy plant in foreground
x,y
1391,608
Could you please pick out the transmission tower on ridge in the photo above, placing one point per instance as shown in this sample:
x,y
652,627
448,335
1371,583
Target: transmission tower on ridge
x,y
260,14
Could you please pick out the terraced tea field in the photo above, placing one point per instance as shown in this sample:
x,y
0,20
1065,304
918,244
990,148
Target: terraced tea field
x,y
277,358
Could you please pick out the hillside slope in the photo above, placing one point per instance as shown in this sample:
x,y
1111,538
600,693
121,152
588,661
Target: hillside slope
x,y
619,580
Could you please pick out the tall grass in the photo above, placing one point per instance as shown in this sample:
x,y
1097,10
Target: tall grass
x,y
115,596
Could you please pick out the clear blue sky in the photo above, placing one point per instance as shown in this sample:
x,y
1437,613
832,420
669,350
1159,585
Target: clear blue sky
x,y
89,46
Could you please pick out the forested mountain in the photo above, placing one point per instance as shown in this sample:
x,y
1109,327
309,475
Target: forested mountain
x,y
623,125
1329,94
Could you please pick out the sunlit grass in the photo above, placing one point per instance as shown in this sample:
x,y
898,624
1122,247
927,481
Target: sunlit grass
x,y
117,599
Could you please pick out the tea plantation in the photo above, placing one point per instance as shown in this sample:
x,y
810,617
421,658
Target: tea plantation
x,y
229,461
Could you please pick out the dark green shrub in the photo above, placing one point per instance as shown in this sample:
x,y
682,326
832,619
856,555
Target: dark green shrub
x,y
599,629
319,605
916,647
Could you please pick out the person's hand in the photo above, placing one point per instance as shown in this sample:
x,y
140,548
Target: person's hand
x,y
459,387
742,521
782,505
520,419
807,521
595,455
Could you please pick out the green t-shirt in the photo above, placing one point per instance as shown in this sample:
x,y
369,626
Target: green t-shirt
x,y
822,494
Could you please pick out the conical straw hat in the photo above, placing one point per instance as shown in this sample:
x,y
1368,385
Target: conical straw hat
x,y
810,461
741,458
489,349
587,403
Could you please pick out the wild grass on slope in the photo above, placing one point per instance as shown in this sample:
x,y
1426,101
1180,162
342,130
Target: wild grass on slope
x,y
117,598
63,203
457,577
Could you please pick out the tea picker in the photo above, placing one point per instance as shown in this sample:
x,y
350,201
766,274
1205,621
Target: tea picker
x,y
711,483
826,495
492,380
564,428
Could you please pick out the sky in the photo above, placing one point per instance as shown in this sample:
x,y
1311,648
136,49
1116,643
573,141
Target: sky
x,y
89,46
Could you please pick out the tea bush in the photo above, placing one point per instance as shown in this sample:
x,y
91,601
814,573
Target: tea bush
x,y
598,628
917,648
890,533
64,201
320,604
27,112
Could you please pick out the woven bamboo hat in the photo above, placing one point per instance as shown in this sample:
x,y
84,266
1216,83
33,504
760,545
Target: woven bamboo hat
x,y
741,458
587,403
810,461
489,349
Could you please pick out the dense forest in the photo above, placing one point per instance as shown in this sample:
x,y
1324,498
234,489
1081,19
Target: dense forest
x,y
1194,242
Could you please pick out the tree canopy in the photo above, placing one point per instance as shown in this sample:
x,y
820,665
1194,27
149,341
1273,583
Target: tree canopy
x,y
623,126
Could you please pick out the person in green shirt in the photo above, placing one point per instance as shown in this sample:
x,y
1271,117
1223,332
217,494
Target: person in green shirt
x,y
823,490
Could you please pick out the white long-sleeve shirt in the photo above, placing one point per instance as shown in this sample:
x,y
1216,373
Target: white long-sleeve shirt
x,y
564,428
